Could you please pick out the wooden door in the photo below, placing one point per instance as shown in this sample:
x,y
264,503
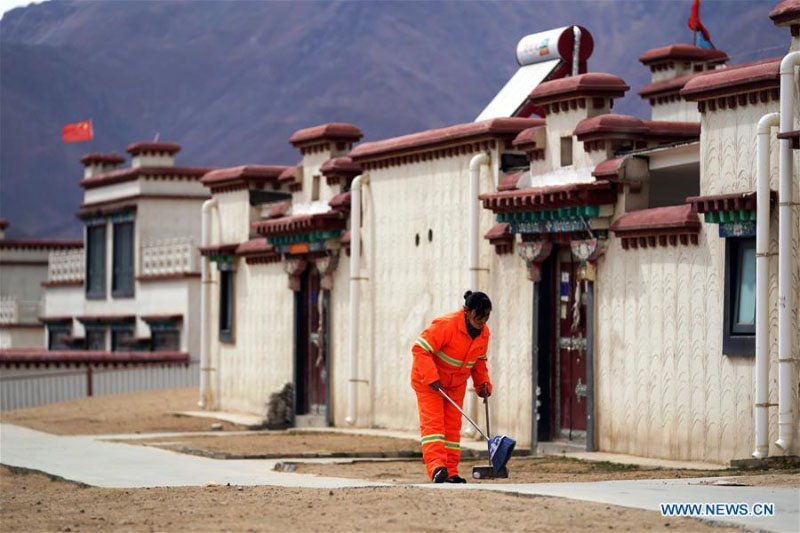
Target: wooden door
x,y
571,344
312,364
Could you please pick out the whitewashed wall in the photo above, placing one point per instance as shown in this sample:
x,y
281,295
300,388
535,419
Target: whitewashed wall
x,y
260,359
680,111
664,387
21,336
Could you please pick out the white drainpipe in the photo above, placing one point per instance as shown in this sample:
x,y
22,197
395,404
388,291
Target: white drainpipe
x,y
787,374
205,302
762,286
355,266
474,235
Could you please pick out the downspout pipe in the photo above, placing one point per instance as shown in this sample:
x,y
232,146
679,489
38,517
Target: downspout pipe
x,y
475,165
787,373
761,409
355,267
205,302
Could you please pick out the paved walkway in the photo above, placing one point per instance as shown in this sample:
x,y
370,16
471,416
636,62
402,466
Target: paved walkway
x,y
94,461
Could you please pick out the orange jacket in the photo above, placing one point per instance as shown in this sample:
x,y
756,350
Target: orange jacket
x,y
447,353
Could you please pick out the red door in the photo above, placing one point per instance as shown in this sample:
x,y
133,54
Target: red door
x,y
571,342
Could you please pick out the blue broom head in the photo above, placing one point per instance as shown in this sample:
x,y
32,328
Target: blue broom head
x,y
500,448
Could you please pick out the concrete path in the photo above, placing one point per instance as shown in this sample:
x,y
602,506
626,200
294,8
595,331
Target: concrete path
x,y
94,461
115,465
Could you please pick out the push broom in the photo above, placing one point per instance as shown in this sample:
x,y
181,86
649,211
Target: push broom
x,y
500,447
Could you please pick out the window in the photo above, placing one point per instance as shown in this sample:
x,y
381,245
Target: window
x,y
740,297
57,336
120,335
96,261
566,151
315,188
122,279
166,339
96,338
225,304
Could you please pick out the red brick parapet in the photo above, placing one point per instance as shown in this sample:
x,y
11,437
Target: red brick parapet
x,y
787,13
340,170
153,147
294,224
102,159
667,56
243,177
552,197
735,86
326,136
572,92
131,174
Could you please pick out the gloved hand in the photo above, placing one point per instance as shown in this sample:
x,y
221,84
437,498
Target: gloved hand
x,y
485,390
436,385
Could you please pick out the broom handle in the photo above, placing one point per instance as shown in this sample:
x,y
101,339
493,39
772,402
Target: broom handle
x,y
471,421
488,427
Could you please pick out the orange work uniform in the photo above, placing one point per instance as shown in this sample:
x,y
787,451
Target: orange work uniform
x,y
445,352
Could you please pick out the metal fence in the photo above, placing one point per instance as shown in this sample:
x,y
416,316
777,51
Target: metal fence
x,y
24,388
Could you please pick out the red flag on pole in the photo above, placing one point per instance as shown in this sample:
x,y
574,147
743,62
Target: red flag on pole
x,y
697,26
79,131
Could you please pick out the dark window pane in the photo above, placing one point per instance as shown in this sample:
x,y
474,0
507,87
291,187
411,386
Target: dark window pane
x,y
122,280
96,261
566,151
167,340
746,285
226,305
56,338
96,339
119,336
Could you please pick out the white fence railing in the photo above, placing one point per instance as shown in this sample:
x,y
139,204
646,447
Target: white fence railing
x,y
15,311
169,256
66,265
41,386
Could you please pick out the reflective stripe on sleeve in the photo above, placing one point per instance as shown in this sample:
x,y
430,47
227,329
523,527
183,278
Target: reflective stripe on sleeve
x,y
422,343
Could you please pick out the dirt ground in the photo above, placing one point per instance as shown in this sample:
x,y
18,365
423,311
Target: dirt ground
x,y
140,412
286,444
35,502
543,470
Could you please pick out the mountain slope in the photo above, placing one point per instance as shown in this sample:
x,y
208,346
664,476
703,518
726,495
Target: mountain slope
x,y
231,81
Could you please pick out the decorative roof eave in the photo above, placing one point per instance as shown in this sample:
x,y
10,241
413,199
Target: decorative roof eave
x,y
531,139
40,356
341,133
501,238
340,170
258,251
293,177
341,202
660,226
757,77
131,174
672,86
102,159
228,250
610,125
243,177
596,85
297,224
153,147
443,142
509,181
793,136
577,194
745,201
682,52
105,210
3,223
39,244
786,13
162,318
94,319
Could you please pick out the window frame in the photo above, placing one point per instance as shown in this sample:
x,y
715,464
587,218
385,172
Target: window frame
x,y
95,328
226,299
54,331
98,293
737,340
570,150
117,334
118,274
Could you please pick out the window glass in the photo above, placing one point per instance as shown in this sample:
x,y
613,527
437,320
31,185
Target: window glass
x,y
566,151
96,261
57,335
95,339
118,337
226,305
746,284
166,340
122,280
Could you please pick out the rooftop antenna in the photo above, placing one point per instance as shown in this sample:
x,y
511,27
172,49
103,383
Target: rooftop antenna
x,y
155,139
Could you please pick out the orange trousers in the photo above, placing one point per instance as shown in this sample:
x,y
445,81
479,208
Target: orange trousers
x,y
440,428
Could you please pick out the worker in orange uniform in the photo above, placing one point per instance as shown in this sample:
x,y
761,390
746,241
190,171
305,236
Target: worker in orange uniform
x,y
451,349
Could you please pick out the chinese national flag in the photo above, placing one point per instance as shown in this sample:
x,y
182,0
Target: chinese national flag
x,y
79,131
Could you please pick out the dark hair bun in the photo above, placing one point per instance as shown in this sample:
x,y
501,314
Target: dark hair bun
x,y
467,294
477,301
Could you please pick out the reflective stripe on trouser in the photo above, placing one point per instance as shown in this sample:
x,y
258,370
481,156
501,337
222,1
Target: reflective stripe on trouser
x,y
440,428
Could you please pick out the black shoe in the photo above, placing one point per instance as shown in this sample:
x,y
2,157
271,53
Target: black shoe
x,y
440,475
456,479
